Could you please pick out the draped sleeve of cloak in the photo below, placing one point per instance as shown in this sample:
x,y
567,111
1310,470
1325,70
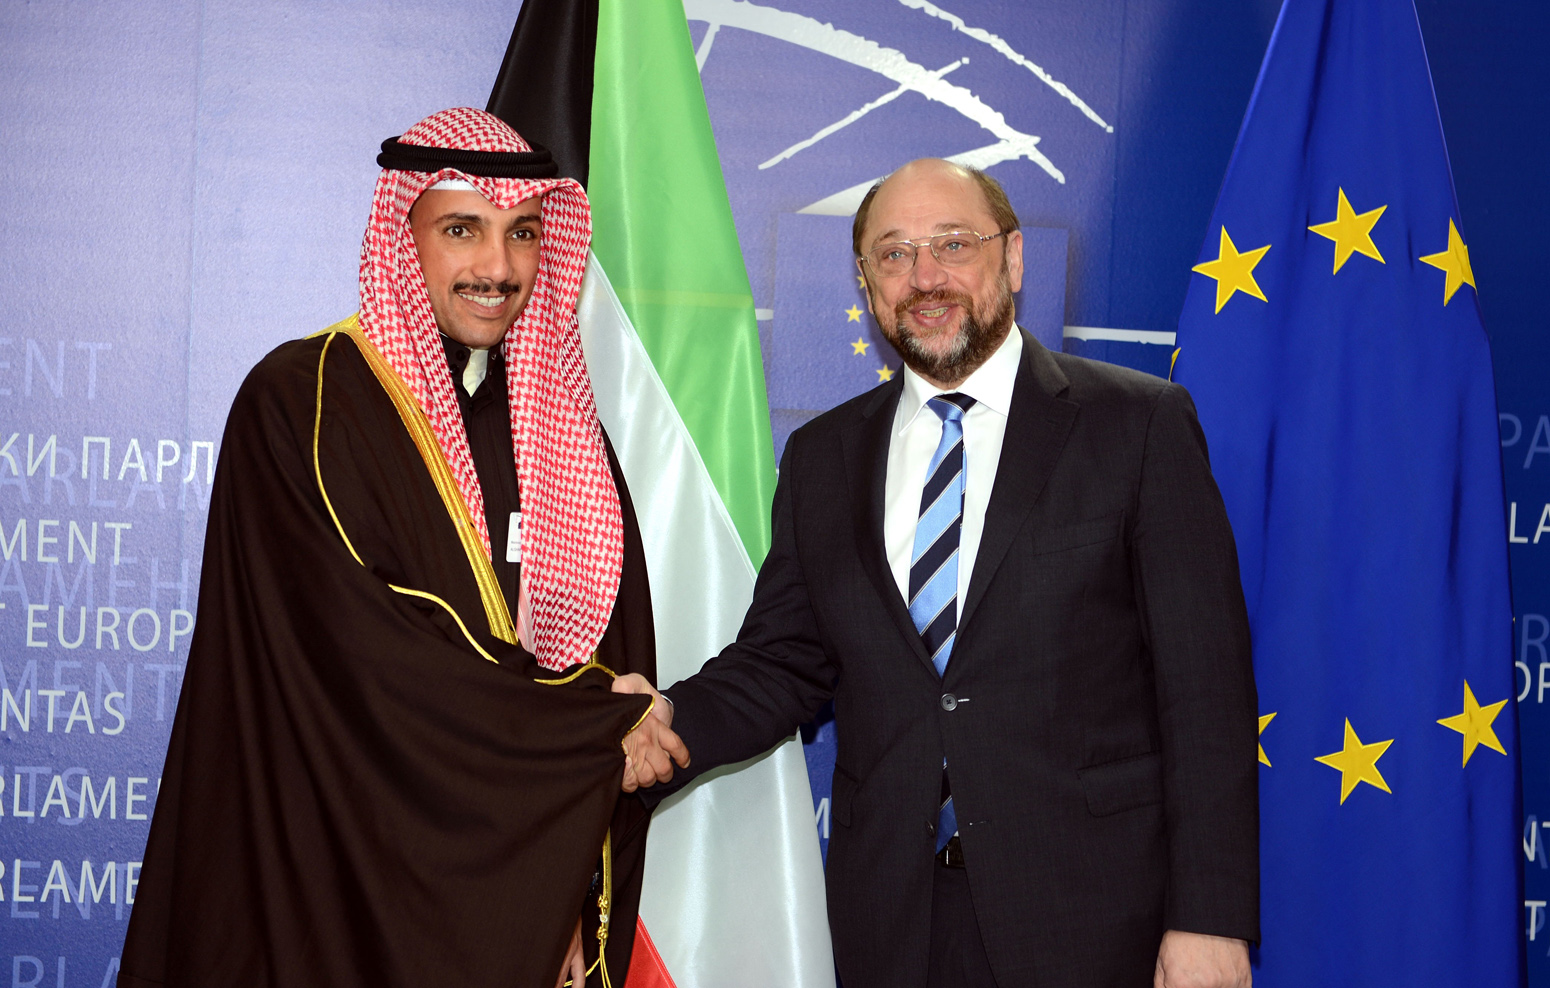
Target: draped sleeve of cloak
x,y
353,795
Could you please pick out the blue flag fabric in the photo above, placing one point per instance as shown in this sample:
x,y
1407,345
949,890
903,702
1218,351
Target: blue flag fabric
x,y
1333,344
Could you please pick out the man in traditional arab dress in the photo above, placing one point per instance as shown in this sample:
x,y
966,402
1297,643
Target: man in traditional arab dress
x,y
396,760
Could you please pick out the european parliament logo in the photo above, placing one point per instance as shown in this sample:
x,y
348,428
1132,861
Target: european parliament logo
x,y
812,103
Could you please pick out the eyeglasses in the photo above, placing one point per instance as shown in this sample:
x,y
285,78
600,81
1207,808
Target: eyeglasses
x,y
950,249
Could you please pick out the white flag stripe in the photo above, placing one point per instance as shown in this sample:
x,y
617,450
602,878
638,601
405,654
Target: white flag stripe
x,y
734,882
1156,336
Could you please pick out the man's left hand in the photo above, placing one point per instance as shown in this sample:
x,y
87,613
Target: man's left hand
x,y
1197,960
574,970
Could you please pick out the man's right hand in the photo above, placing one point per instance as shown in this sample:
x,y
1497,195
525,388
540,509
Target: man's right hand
x,y
651,749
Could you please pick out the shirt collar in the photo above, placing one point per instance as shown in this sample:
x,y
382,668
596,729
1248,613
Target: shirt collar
x,y
991,385
459,358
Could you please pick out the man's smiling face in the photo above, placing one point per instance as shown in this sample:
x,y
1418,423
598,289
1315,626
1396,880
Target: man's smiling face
x,y
944,321
479,261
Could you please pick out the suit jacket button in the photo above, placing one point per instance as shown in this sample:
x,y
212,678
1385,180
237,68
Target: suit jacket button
x,y
949,702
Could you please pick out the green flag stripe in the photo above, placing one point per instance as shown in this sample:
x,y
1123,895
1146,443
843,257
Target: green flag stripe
x,y
662,228
647,296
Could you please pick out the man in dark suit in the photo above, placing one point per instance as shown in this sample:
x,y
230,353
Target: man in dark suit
x,y
1012,572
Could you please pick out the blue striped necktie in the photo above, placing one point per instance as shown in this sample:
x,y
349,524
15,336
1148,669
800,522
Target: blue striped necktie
x,y
933,597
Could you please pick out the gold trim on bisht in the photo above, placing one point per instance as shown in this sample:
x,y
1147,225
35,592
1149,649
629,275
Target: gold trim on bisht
x,y
420,431
425,441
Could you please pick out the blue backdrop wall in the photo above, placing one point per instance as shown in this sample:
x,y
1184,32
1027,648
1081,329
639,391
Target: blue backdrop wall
x,y
185,186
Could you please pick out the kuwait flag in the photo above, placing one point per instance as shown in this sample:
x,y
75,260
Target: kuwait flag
x,y
734,884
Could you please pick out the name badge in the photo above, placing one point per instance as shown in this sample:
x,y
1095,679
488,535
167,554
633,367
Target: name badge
x,y
514,538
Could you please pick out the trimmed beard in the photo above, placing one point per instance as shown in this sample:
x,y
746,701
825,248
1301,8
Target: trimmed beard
x,y
977,337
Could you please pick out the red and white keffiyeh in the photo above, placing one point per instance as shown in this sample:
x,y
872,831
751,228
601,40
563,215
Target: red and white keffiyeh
x,y
572,529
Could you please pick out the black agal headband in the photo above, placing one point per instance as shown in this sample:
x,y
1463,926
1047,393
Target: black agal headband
x,y
537,163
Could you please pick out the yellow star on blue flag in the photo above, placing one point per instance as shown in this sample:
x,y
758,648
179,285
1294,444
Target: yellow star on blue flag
x,y
1233,271
1264,722
1475,724
1357,763
1351,231
1454,261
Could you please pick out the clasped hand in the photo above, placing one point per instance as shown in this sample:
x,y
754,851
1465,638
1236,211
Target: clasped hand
x,y
1198,960
651,749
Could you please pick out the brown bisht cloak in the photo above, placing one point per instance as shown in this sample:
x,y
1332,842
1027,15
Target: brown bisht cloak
x,y
353,794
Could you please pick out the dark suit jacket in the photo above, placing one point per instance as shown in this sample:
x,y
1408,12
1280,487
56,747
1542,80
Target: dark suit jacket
x,y
1098,715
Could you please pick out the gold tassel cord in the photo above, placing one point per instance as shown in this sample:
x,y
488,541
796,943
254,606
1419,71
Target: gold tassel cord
x,y
604,903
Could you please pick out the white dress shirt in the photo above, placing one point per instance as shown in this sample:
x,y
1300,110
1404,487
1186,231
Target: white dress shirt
x,y
916,433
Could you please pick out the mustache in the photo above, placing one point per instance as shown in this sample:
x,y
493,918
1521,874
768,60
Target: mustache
x,y
488,288
939,296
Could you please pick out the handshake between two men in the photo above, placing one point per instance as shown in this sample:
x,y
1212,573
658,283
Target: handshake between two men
x,y
651,749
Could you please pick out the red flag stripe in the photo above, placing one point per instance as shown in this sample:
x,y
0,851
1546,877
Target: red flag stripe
x,y
646,967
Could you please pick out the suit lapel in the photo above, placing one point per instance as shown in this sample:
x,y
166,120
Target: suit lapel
x,y
1036,429
866,472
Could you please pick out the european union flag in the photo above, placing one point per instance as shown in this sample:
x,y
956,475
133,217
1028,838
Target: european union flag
x,y
1333,343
